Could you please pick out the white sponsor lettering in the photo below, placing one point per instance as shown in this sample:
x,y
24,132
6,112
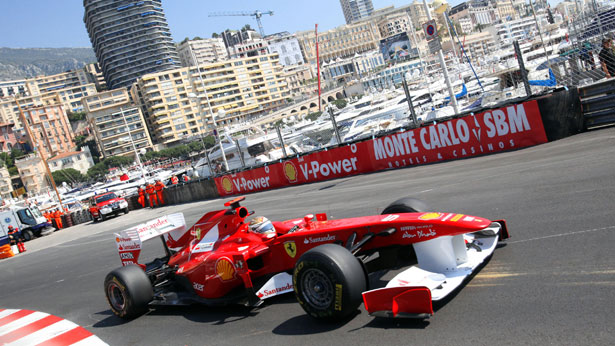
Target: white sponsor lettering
x,y
396,145
408,228
429,233
468,218
497,124
127,262
407,235
390,218
197,286
312,240
243,184
317,169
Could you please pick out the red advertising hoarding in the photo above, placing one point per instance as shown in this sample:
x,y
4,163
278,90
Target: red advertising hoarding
x,y
513,127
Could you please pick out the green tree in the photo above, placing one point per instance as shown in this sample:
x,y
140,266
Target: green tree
x,y
80,140
341,103
68,175
97,171
93,150
16,153
313,116
13,171
7,159
215,35
76,116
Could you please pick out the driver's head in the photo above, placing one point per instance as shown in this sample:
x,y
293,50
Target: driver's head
x,y
262,225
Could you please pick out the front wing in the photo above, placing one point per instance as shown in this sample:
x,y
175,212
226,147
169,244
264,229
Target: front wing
x,y
444,263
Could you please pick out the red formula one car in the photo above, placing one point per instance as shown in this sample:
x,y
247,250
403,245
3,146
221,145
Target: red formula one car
x,y
223,259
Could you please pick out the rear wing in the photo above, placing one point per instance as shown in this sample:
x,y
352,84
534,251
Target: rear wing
x,y
168,227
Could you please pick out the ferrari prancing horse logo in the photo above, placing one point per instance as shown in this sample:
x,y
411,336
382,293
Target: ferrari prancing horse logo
x,y
291,248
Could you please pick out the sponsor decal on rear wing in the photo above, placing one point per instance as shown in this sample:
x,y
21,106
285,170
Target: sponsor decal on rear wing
x,y
129,241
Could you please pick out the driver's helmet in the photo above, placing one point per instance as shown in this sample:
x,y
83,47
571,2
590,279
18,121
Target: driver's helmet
x,y
262,225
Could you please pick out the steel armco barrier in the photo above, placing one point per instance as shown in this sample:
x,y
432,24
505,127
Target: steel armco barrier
x,y
598,103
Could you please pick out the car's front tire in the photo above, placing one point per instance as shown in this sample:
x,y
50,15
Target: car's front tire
x,y
328,282
128,291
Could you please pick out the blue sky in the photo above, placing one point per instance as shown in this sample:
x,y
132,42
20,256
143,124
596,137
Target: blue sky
x,y
59,23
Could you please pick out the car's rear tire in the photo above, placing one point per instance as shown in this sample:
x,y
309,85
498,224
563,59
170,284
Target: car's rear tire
x,y
126,210
328,282
102,217
407,205
128,291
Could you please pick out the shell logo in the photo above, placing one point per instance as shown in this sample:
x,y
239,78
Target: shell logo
x,y
227,185
290,171
225,269
430,216
117,239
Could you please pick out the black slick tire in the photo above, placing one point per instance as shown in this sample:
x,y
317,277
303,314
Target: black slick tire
x,y
128,291
407,205
328,282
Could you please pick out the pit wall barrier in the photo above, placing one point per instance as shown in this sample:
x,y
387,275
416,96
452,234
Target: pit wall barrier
x,y
508,128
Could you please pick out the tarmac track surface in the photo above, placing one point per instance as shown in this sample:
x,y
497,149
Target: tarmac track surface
x,y
553,283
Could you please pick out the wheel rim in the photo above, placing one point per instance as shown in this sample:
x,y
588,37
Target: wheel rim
x,y
317,288
116,296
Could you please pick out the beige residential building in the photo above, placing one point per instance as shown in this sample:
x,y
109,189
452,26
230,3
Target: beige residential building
x,y
299,79
65,88
12,88
71,86
205,51
33,173
79,160
6,187
115,120
417,14
48,129
9,107
394,24
97,76
505,9
479,45
343,41
241,88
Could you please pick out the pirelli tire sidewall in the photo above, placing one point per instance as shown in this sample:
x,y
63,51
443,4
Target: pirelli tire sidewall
x,y
342,277
128,291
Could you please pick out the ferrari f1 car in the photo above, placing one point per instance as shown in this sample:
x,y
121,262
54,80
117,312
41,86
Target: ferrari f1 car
x,y
221,260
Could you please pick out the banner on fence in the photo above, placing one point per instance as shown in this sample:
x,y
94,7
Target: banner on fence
x,y
513,127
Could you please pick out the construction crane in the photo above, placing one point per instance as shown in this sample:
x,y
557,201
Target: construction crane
x,y
256,14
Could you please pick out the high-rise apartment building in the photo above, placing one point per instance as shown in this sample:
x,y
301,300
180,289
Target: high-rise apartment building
x,y
202,51
356,9
130,39
117,123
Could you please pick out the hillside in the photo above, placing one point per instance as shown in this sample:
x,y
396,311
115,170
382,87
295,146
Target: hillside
x,y
20,63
